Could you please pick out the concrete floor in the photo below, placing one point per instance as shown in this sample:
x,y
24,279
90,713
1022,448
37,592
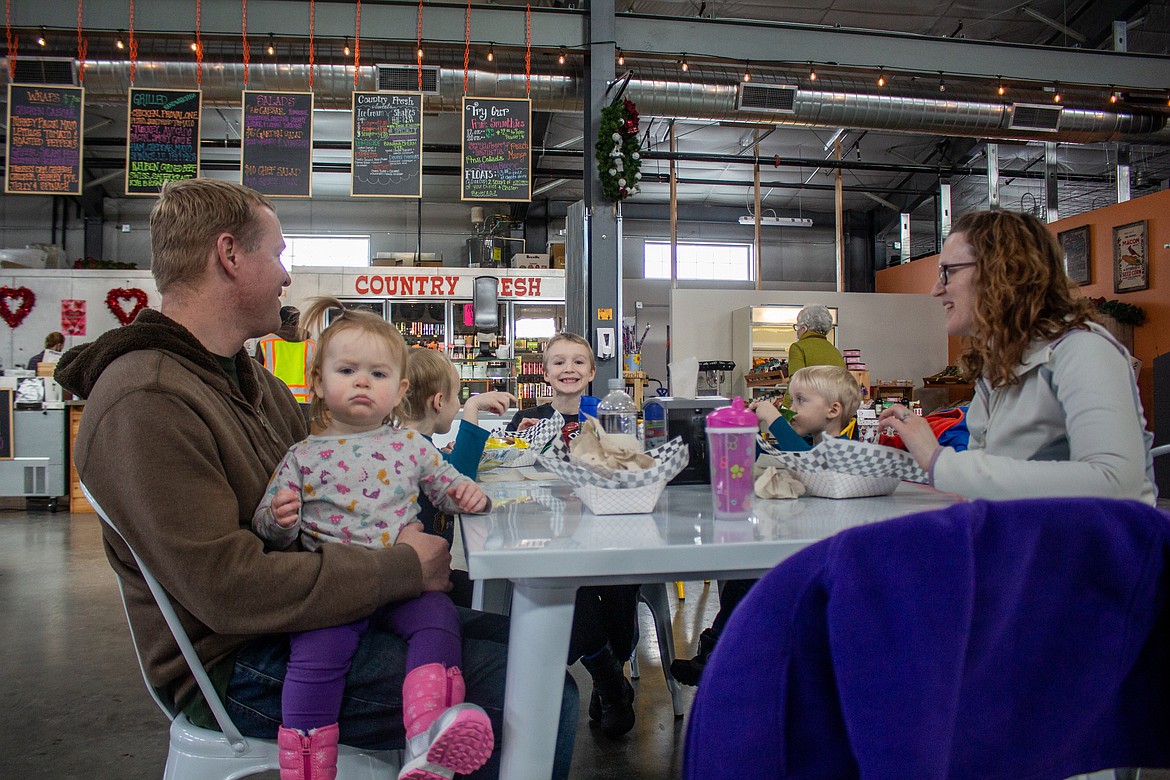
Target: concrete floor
x,y
78,708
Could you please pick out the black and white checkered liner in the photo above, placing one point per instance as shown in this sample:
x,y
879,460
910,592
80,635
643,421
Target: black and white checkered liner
x,y
846,456
537,437
671,458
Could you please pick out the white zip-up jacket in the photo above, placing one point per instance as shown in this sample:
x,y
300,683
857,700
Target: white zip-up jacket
x,y
1072,426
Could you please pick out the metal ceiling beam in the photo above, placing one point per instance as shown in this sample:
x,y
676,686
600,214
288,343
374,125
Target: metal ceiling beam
x,y
553,28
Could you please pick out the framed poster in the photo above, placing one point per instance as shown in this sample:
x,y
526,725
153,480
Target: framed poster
x,y
1131,257
1078,256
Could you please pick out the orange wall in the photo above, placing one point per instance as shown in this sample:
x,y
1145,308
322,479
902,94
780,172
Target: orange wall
x,y
1151,339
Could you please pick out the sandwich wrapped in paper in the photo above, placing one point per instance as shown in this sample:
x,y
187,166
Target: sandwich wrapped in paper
x,y
610,476
516,449
841,468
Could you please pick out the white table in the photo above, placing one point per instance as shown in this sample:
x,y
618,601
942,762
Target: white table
x,y
541,538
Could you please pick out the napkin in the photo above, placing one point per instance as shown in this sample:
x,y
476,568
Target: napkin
x,y
616,451
684,377
773,483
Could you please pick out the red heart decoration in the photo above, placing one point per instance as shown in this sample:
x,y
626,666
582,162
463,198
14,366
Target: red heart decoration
x,y
27,301
114,302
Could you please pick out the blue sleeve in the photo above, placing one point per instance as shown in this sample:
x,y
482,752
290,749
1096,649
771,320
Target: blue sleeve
x,y
786,438
468,449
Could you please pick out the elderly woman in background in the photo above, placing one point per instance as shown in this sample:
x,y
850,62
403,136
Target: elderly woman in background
x,y
812,347
1056,409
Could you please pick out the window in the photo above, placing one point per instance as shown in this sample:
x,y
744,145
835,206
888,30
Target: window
x,y
730,262
326,250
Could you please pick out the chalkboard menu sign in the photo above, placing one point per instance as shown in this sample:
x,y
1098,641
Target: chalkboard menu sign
x,y
163,140
387,144
497,149
278,143
44,139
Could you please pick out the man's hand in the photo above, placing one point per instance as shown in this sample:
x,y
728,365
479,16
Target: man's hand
x,y
469,496
286,507
433,554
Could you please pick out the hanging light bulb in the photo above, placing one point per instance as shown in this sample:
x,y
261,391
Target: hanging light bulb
x,y
419,52
1056,93
942,85
881,82
747,71
1113,94
271,45
812,72
118,42
561,56
999,89
682,64
621,57
41,38
345,49
194,46
491,55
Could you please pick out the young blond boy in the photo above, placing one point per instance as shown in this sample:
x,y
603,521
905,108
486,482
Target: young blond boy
x,y
825,399
569,367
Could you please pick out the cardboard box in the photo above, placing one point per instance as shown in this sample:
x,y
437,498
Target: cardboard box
x,y
529,260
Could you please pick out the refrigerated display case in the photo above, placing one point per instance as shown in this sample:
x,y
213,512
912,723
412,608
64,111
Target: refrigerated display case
x,y
762,334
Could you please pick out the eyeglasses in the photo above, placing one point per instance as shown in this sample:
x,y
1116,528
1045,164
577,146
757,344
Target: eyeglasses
x,y
944,271
795,326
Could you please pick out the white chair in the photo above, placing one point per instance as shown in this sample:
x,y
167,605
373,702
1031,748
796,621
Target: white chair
x,y
653,595
202,754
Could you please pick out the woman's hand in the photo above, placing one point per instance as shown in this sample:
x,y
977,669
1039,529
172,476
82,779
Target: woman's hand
x,y
433,554
916,434
495,402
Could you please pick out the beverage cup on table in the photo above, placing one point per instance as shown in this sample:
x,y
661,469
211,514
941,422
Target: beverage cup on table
x,y
731,453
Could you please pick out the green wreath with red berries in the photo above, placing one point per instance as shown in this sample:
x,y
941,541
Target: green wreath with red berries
x,y
618,153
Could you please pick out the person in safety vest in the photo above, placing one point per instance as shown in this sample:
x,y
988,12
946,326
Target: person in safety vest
x,y
288,354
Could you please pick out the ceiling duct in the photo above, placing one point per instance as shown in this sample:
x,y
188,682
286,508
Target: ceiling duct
x,y
45,70
774,98
404,78
709,92
1025,116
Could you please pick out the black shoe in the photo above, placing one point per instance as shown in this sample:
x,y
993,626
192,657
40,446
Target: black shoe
x,y
615,713
688,671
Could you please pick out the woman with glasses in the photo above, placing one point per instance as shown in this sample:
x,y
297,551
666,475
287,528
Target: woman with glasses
x,y
1056,409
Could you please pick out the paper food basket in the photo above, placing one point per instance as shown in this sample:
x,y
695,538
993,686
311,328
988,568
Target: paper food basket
x,y
609,492
538,437
841,468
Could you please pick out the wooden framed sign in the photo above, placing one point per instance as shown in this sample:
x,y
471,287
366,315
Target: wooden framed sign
x,y
497,149
1131,257
44,139
162,142
1078,256
278,143
387,144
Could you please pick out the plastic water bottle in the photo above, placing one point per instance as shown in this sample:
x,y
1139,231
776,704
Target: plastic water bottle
x,y
617,412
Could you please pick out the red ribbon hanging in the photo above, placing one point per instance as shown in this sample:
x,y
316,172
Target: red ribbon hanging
x,y
133,46
13,40
528,49
244,33
199,43
418,46
357,42
312,44
82,47
466,44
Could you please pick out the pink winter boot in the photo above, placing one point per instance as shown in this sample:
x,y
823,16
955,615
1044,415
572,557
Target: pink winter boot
x,y
443,735
312,757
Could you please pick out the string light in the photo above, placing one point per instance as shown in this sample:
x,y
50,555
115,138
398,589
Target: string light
x,y
942,85
41,38
747,71
271,45
812,72
621,57
491,55
419,52
682,64
1113,94
999,89
118,42
194,46
1056,93
561,56
345,49
881,82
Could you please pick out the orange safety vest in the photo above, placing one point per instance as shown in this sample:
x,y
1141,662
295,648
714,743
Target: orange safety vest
x,y
290,362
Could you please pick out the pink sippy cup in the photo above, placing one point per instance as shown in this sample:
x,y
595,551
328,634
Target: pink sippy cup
x,y
731,453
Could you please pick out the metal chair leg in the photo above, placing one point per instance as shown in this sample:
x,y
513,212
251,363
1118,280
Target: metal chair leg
x,y
654,596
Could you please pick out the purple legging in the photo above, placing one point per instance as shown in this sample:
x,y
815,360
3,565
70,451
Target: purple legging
x,y
319,660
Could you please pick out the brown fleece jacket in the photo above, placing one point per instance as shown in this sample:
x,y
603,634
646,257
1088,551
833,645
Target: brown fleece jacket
x,y
179,458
